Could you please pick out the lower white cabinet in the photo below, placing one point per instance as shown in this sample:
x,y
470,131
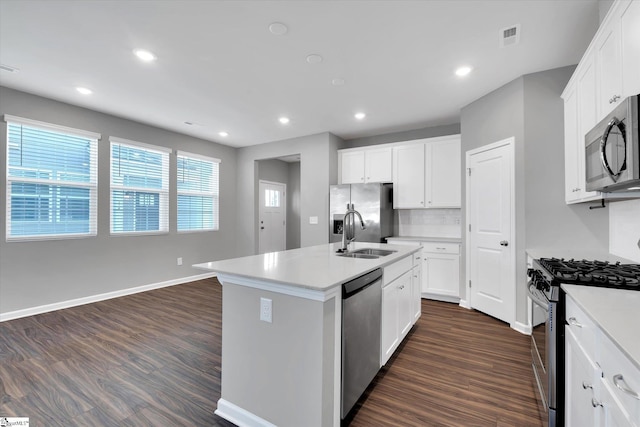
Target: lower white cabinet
x,y
601,383
400,308
440,275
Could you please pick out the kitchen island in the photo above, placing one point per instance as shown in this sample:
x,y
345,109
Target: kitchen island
x,y
286,372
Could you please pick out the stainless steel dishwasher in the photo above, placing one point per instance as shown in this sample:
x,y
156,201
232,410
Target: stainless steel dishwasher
x,y
361,323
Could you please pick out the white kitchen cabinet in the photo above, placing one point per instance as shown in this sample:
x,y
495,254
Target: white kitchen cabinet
x,y
593,366
440,268
580,115
441,271
409,176
416,286
630,40
427,174
443,187
398,306
365,165
581,380
609,61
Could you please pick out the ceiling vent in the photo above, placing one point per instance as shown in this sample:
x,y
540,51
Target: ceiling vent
x,y
510,36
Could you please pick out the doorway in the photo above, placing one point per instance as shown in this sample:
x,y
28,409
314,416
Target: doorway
x,y
490,202
272,217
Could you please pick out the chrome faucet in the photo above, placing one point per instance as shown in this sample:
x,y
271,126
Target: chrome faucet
x,y
347,225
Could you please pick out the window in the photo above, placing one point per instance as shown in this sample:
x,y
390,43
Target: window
x,y
198,192
51,181
139,187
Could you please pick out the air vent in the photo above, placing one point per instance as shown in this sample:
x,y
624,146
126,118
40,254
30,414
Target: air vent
x,y
510,36
8,68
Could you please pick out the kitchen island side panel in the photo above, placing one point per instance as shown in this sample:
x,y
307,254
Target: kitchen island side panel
x,y
284,371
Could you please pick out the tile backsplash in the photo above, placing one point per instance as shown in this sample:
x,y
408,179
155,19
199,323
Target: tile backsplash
x,y
428,222
624,229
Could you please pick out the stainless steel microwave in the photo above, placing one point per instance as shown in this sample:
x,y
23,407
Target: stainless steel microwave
x,y
612,157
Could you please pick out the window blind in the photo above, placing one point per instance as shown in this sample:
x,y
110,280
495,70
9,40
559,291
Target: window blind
x,y
198,192
51,181
139,187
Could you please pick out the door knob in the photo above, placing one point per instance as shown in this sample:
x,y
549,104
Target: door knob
x,y
261,228
504,243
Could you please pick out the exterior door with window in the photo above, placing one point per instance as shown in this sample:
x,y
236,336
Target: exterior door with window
x,y
272,217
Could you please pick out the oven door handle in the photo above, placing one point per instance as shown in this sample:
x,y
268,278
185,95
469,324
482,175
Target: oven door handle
x,y
536,299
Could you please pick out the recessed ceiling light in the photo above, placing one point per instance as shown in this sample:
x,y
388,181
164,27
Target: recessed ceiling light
x,y
314,58
359,116
337,82
278,28
84,90
223,133
463,71
145,55
284,120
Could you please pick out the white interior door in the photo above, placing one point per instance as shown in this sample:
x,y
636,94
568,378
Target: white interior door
x,y
272,217
490,229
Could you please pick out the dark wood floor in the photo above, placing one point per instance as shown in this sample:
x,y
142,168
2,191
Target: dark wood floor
x,y
153,359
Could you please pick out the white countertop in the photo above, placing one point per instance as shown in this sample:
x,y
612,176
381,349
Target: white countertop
x,y
590,254
314,267
426,239
615,311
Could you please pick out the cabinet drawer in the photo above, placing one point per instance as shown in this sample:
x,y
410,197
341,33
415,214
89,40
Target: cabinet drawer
x,y
441,248
619,373
582,327
397,269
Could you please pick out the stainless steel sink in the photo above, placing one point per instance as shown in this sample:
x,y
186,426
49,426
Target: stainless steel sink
x,y
358,255
372,251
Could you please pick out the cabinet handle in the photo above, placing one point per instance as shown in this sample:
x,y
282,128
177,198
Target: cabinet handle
x,y
418,257
619,382
614,99
573,322
586,386
401,287
595,403
421,202
441,249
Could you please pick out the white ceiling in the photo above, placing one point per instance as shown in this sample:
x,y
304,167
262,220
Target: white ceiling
x,y
219,66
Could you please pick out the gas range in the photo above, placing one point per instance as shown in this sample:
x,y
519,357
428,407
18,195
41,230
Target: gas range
x,y
550,273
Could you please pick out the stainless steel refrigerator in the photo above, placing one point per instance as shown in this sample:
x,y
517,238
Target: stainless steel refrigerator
x,y
373,201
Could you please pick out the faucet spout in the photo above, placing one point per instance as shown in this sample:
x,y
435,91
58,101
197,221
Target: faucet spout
x,y
347,225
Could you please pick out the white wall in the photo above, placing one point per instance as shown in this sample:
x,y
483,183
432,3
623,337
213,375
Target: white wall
x,y
38,273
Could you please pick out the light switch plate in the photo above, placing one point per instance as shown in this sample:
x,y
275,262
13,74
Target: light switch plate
x,y
313,220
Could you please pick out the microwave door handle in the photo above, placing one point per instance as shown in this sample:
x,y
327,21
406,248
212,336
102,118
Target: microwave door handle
x,y
603,146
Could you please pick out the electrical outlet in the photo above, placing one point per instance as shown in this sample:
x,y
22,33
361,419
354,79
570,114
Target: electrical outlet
x,y
266,311
313,220
179,261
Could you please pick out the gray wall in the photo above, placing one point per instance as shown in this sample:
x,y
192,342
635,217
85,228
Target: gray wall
x,y
273,170
531,110
409,135
293,206
44,272
318,166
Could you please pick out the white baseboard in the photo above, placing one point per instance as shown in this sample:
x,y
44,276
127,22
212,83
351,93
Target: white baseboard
x,y
444,298
465,304
521,327
239,416
99,297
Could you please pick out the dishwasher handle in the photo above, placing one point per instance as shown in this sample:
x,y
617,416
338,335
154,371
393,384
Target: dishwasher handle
x,y
359,284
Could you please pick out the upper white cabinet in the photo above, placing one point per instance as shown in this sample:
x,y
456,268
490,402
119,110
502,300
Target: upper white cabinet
x,y
426,173
408,176
365,165
608,73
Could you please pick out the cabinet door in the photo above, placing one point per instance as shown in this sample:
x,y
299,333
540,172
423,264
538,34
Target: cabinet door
x,y
580,382
406,307
416,291
442,174
630,38
352,168
377,164
611,410
390,337
609,60
441,274
408,176
587,119
571,147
